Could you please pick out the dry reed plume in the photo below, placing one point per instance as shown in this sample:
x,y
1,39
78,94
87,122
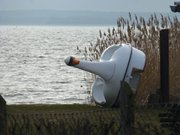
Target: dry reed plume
x,y
144,35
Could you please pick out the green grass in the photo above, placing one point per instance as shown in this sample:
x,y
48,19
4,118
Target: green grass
x,y
50,107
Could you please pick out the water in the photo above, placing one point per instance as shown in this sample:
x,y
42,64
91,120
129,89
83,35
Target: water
x,y
32,68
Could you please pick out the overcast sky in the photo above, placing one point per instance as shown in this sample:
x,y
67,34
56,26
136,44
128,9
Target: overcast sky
x,y
90,5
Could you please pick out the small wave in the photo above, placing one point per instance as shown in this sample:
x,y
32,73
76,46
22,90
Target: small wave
x,y
60,82
13,95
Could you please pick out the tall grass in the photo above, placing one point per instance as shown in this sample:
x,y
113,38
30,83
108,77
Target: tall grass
x,y
144,35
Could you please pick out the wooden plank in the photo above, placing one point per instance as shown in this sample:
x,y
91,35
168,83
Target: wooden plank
x,y
3,121
164,65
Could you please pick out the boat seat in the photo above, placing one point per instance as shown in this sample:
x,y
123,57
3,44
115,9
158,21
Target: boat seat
x,y
97,91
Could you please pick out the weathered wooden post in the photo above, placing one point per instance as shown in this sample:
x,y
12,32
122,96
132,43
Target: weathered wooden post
x,y
3,119
127,109
164,65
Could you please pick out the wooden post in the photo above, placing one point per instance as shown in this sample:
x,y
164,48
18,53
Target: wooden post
x,y
3,119
164,65
127,109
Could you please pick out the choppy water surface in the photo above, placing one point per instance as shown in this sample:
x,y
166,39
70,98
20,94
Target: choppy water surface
x,y
32,68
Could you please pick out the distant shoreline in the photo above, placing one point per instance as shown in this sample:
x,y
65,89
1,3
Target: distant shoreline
x,y
67,18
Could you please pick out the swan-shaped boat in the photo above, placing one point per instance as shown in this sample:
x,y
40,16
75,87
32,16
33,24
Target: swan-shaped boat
x,y
117,63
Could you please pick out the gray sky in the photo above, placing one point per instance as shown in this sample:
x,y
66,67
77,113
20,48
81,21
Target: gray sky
x,y
90,5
